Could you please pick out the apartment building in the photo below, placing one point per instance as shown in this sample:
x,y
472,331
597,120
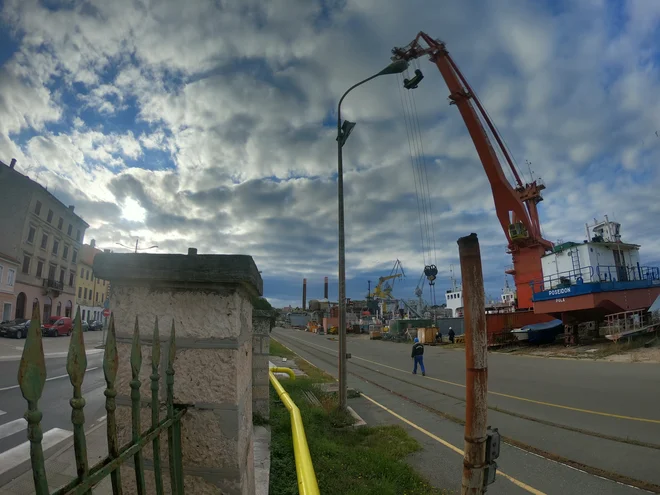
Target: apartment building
x,y
45,237
8,269
92,292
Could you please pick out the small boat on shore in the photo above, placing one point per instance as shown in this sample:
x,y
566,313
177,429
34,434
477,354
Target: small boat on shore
x,y
539,333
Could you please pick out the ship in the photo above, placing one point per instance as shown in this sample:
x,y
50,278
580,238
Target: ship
x,y
600,276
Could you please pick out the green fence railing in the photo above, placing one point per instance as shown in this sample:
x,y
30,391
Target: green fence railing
x,y
32,378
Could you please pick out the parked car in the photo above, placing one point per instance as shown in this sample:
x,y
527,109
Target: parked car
x,y
63,326
11,323
47,325
85,326
95,325
17,331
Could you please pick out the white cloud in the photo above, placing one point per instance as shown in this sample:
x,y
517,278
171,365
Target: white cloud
x,y
240,92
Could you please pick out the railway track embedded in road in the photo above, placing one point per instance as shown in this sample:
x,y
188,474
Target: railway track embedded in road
x,y
322,353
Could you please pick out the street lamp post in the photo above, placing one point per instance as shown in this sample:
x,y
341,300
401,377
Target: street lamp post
x,y
343,131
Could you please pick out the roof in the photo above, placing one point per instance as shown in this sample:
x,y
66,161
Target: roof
x,y
35,183
8,258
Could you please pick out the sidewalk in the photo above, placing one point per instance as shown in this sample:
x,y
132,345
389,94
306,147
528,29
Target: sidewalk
x,y
61,466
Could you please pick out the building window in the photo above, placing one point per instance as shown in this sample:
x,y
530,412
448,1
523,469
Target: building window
x,y
97,297
79,292
62,273
72,278
26,264
40,268
60,223
11,274
78,235
6,311
65,253
56,246
1,270
83,314
44,241
85,297
87,275
74,257
49,219
31,234
69,230
37,208
82,273
104,283
51,272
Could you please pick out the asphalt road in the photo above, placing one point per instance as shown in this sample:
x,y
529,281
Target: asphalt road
x,y
54,403
600,417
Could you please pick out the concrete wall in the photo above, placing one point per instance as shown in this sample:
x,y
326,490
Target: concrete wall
x,y
260,356
209,300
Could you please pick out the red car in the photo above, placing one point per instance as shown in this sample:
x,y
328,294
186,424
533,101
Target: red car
x,y
60,326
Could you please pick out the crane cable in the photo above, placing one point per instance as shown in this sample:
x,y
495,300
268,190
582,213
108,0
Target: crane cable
x,y
420,178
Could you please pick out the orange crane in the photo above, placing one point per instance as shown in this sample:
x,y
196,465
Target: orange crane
x,y
516,207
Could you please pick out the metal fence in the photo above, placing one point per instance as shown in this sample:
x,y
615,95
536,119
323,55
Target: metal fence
x,y
32,377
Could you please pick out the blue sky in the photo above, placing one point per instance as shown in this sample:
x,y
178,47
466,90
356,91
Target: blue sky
x,y
213,126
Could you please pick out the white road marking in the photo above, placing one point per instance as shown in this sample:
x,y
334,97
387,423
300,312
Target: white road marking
x,y
13,427
17,357
21,453
48,379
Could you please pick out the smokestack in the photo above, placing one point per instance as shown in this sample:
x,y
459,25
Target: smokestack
x,y
92,243
12,164
71,207
304,293
325,288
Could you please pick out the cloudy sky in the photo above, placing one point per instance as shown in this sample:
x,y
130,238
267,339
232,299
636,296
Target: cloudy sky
x,y
211,124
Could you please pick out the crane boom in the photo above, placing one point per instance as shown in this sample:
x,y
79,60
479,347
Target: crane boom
x,y
515,207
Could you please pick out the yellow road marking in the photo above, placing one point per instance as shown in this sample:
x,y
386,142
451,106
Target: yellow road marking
x,y
513,480
508,396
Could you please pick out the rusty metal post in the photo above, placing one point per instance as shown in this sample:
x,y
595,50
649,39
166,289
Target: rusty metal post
x,y
476,366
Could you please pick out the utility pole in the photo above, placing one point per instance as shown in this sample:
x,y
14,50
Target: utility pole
x,y
481,448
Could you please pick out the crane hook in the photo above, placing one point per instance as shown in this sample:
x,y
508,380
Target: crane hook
x,y
431,271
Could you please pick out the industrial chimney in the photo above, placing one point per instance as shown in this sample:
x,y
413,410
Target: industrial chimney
x,y
325,288
304,301
12,164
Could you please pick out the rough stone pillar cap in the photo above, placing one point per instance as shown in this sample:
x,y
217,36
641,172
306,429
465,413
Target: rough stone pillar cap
x,y
146,269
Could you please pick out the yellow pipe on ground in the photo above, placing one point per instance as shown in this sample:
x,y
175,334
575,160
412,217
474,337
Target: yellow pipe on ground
x,y
288,371
307,484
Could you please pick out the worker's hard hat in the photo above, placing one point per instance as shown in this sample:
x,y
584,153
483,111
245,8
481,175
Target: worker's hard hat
x,y
416,340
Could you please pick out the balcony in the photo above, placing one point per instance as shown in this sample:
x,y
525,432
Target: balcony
x,y
53,285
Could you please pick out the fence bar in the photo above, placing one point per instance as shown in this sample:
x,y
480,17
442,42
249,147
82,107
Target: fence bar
x,y
76,364
107,466
155,406
110,366
31,379
136,364
175,471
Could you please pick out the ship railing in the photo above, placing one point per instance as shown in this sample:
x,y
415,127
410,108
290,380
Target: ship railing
x,y
618,324
599,273
611,273
567,278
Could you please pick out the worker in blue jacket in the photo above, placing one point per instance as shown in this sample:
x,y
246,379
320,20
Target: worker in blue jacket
x,y
418,356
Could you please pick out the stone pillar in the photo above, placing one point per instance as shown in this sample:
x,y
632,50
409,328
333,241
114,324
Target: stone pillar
x,y
260,356
209,299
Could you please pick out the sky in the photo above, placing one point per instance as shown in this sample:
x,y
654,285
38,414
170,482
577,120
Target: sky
x,y
211,124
